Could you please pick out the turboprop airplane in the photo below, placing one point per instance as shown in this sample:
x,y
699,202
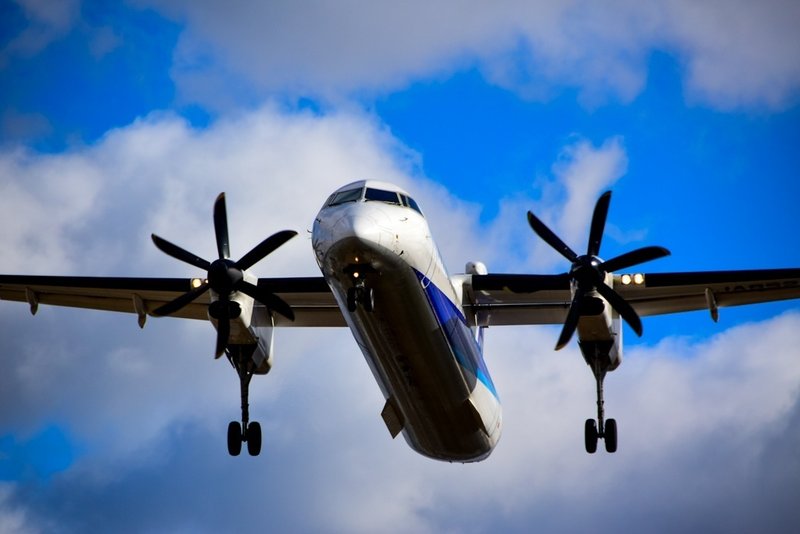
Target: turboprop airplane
x,y
420,330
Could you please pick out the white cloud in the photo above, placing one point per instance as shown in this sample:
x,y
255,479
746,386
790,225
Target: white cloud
x,y
147,409
38,213
736,54
13,519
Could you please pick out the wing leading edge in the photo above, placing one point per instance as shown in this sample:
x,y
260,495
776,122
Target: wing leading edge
x,y
310,298
511,299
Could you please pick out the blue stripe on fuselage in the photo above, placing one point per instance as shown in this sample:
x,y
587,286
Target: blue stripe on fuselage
x,y
454,325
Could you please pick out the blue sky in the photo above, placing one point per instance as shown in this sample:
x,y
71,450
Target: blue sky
x,y
122,119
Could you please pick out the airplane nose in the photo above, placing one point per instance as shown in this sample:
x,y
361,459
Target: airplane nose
x,y
352,233
358,225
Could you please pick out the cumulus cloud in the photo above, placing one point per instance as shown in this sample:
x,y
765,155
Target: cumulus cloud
x,y
737,54
145,411
740,54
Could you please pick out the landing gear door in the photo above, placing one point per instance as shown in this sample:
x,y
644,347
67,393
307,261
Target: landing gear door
x,y
265,334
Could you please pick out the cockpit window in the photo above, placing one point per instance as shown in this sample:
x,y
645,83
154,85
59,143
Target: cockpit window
x,y
351,195
408,201
389,197
377,195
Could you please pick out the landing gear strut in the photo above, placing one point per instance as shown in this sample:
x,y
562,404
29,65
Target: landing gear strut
x,y
600,429
246,431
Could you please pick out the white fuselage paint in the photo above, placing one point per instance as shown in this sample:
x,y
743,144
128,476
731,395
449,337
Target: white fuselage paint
x,y
425,359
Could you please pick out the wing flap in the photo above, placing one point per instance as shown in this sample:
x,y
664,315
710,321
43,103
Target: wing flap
x,y
517,299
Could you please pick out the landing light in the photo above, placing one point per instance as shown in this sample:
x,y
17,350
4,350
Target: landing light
x,y
628,279
355,274
196,282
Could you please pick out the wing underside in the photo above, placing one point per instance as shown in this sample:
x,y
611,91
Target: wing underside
x,y
310,298
501,299
492,299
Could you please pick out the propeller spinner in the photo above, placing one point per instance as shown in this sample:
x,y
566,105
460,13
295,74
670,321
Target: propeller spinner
x,y
225,277
588,271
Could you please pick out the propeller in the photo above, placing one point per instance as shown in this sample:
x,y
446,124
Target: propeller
x,y
225,277
588,271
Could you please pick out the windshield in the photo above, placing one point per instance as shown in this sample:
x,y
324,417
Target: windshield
x,y
390,197
351,195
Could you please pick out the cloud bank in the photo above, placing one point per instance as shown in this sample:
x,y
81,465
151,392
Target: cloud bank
x,y
737,54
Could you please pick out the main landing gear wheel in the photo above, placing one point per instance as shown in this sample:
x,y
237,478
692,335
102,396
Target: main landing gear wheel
x,y
610,438
590,436
253,438
234,438
362,295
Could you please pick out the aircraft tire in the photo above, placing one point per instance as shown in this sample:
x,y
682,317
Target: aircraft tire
x,y
234,438
368,299
254,439
590,436
351,300
611,435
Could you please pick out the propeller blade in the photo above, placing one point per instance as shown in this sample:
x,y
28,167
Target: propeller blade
x,y
180,254
265,248
221,227
187,298
223,332
571,323
550,238
623,308
634,257
598,223
270,300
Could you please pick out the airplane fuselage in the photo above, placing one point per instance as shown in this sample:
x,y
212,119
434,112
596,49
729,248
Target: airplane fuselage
x,y
375,250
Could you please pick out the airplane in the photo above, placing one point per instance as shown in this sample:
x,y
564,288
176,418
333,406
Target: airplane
x,y
421,330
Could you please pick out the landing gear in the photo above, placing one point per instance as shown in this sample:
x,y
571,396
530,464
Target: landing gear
x,y
600,429
252,436
362,295
244,432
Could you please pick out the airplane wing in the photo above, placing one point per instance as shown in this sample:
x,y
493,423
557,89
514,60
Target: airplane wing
x,y
661,293
311,299
506,299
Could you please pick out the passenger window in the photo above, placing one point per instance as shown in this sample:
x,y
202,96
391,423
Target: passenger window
x,y
389,197
351,195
